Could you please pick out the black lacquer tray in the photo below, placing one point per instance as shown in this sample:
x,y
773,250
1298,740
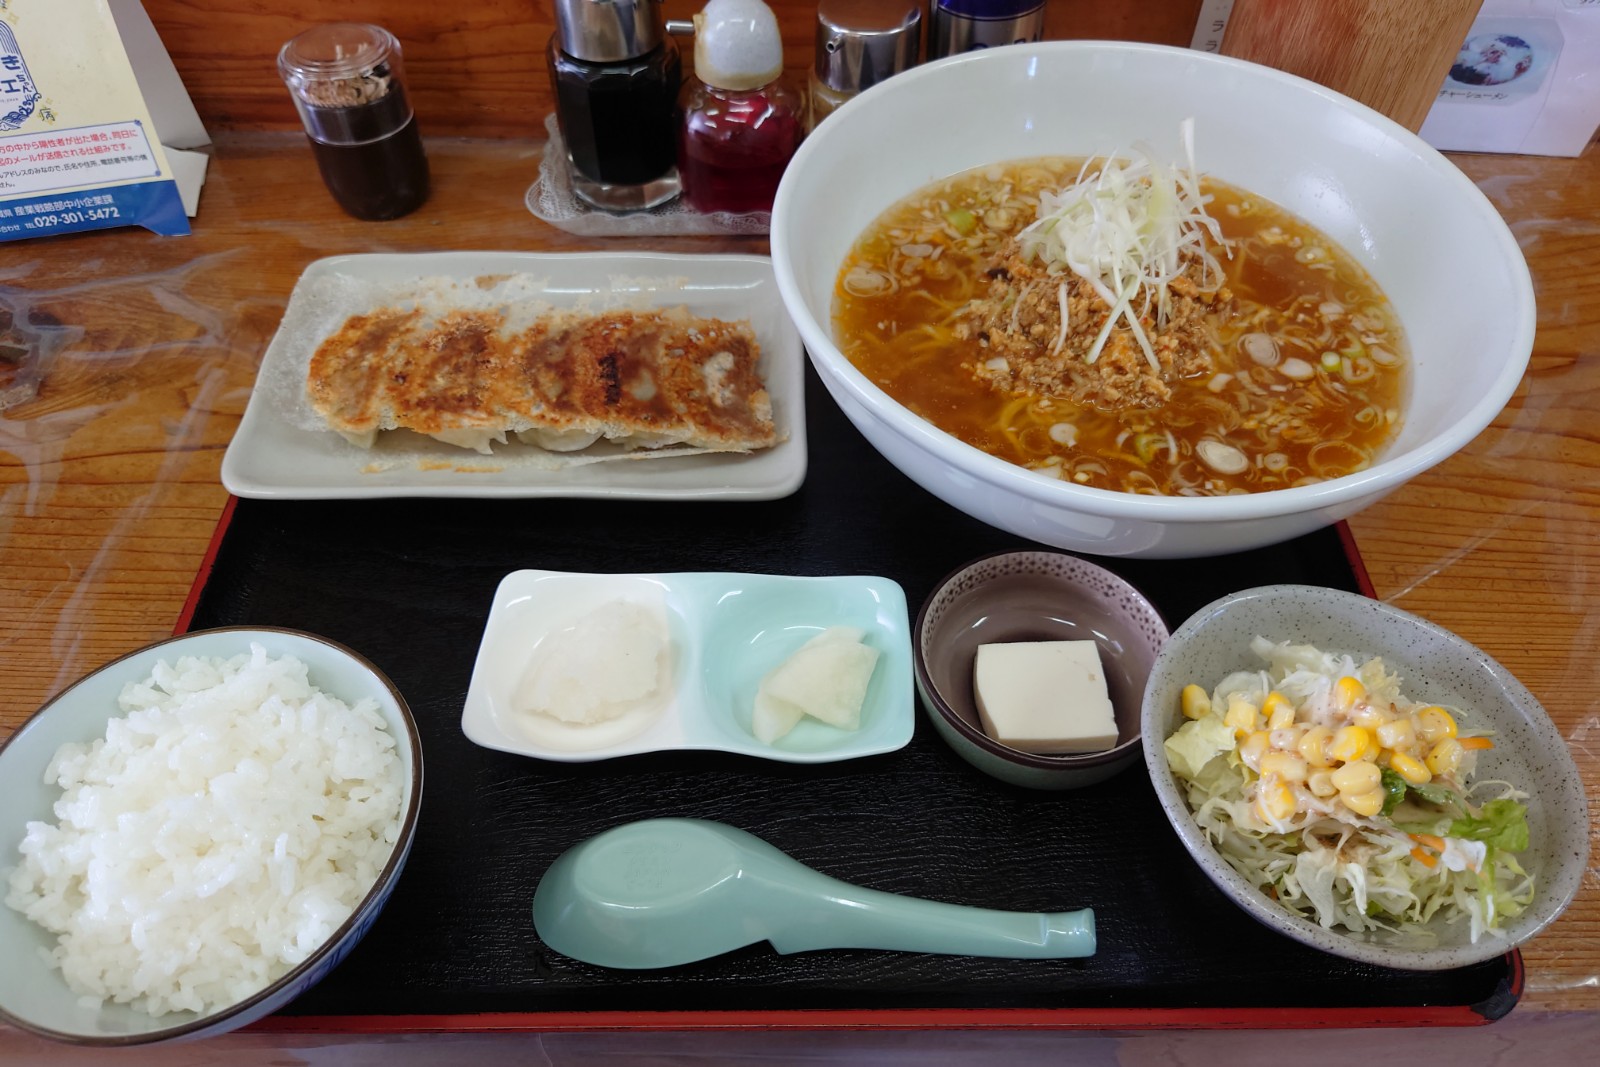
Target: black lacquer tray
x,y
408,583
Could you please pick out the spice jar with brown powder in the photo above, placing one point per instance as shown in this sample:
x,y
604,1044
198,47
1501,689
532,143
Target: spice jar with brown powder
x,y
348,83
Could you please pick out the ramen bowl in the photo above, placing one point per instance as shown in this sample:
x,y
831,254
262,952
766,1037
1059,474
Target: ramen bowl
x,y
1428,238
1033,596
1435,666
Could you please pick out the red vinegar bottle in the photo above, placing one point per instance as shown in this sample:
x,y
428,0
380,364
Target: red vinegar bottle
x,y
740,121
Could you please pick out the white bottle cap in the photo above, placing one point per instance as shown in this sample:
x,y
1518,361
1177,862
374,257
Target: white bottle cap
x,y
736,45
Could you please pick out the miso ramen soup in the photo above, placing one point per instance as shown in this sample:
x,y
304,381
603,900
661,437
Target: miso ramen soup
x,y
1275,361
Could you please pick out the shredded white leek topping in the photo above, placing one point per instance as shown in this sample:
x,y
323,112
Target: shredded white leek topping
x,y
1124,230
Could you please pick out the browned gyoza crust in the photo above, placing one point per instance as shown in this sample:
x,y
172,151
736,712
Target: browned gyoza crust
x,y
648,378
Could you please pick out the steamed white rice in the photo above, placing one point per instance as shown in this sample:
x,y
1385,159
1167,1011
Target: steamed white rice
x,y
214,838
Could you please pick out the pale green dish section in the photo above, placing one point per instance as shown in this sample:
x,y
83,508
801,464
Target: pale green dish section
x,y
751,623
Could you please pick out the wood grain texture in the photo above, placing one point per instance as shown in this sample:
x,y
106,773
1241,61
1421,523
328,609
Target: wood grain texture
x,y
1391,55
109,479
477,67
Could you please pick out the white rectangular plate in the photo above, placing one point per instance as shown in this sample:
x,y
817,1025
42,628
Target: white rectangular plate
x,y
273,456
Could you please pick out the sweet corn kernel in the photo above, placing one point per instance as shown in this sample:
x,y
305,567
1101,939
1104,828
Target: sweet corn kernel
x,y
1445,758
1368,803
1278,709
1373,749
1347,691
1287,767
1435,724
1358,777
1350,743
1275,802
1196,702
1320,783
1368,717
1397,734
1412,770
1314,746
1287,739
1242,715
1253,748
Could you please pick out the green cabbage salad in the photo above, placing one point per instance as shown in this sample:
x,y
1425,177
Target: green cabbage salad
x,y
1346,802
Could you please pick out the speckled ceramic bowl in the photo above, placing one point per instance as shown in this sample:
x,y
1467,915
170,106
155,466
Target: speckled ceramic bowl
x,y
32,993
1033,596
1434,665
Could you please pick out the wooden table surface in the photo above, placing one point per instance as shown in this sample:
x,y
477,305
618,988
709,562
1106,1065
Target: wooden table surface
x,y
147,348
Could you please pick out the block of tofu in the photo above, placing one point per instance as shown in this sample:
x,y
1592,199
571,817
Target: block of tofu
x,y
1047,697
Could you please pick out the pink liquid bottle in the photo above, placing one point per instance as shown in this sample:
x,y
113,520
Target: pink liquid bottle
x,y
740,122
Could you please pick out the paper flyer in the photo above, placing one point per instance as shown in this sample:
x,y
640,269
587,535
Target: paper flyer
x,y
1526,80
78,148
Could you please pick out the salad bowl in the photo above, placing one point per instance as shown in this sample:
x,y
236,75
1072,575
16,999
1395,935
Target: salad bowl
x,y
1434,666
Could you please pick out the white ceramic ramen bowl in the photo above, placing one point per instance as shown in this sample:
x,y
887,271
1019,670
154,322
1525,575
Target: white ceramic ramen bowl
x,y
1428,237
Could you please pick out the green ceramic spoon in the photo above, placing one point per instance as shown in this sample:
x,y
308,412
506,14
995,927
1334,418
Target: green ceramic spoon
x,y
663,892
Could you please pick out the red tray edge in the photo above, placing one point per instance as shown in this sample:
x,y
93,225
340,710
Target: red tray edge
x,y
1497,1006
1352,555
203,573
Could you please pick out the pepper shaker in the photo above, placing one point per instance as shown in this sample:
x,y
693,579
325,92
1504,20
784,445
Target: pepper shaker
x,y
348,83
958,26
859,43
616,76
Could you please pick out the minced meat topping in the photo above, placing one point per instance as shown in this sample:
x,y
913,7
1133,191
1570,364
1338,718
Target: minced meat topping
x,y
1018,323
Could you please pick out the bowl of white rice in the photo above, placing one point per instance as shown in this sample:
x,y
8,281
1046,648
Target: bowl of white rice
x,y
195,834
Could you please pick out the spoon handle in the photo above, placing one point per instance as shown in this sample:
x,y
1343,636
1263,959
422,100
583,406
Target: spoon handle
x,y
847,916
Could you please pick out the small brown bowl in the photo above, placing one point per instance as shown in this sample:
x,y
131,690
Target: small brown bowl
x,y
1034,596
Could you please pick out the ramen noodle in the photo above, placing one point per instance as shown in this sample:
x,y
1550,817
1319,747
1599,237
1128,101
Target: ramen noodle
x,y
1265,359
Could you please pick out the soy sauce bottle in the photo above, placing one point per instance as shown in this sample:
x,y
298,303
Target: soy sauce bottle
x,y
348,83
616,75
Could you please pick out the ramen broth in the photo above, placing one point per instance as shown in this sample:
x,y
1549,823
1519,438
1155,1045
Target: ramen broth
x,y
1306,376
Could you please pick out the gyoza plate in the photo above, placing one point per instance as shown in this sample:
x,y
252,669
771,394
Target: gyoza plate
x,y
728,631
274,454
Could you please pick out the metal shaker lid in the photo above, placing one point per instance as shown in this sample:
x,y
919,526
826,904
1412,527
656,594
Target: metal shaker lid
x,y
608,31
862,42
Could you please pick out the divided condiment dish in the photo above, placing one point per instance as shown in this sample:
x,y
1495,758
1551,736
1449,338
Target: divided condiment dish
x,y
727,632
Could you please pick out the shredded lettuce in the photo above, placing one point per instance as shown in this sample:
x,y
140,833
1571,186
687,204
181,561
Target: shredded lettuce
x,y
1329,864
1197,743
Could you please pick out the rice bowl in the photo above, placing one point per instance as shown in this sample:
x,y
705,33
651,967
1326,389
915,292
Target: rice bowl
x,y
285,888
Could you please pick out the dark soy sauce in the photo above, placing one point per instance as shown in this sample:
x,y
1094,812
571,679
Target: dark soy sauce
x,y
371,156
